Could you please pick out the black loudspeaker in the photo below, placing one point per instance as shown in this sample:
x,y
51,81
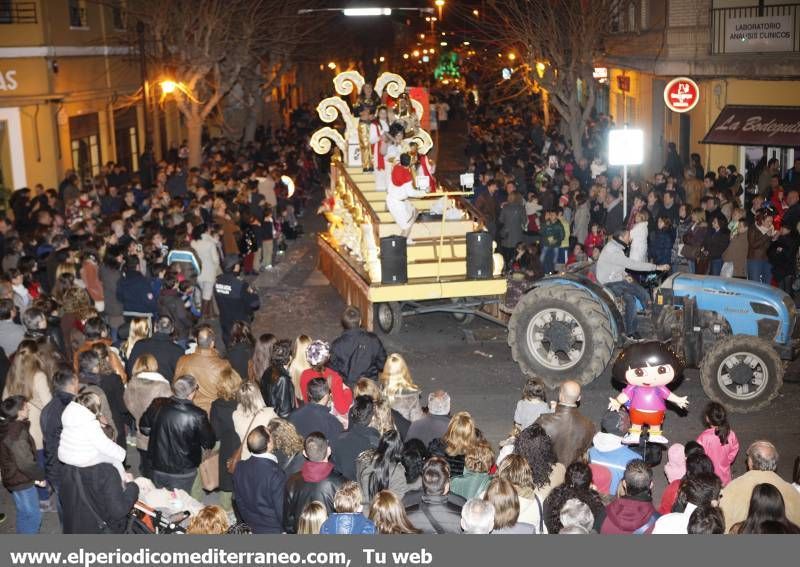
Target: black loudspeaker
x,y
394,260
479,256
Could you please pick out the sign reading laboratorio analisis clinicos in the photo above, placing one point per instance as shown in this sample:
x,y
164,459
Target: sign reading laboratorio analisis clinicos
x,y
681,94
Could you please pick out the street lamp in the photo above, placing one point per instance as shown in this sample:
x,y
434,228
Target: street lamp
x,y
439,4
512,56
625,147
331,65
363,12
168,87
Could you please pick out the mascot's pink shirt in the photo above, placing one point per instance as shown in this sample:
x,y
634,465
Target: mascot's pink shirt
x,y
647,398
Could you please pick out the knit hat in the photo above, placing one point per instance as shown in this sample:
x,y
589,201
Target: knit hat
x,y
675,469
318,353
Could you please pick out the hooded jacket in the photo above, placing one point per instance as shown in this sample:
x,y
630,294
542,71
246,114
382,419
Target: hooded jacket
x,y
83,442
140,393
608,451
315,481
613,262
626,515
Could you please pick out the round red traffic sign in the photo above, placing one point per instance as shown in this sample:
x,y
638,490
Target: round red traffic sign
x,y
681,94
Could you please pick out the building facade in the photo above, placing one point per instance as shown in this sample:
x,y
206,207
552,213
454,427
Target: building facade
x,y
739,52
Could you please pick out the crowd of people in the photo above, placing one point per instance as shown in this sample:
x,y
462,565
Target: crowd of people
x,y
549,210
126,323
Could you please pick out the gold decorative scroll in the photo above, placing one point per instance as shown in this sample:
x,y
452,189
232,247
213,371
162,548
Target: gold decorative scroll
x,y
330,109
346,82
418,108
423,140
323,139
394,84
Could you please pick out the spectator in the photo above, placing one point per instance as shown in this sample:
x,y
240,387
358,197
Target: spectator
x,y
578,485
240,349
11,334
576,517
210,520
762,461
317,357
96,332
289,446
607,449
766,514
759,239
358,438
356,352
719,441
136,291
503,497
110,384
477,517
205,365
316,481
161,346
259,484
398,388
382,468
178,431
532,405
235,298
695,492
311,520
251,412
65,388
348,518
172,305
299,363
706,520
461,434
570,431
478,461
20,471
276,386
221,418
716,242
632,512
435,513
139,328
389,516
696,463
736,252
146,385
316,415
433,424
206,244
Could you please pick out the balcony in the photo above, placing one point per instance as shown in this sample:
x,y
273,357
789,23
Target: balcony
x,y
756,29
18,12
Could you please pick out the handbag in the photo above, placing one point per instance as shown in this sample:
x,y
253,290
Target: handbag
x,y
209,470
230,464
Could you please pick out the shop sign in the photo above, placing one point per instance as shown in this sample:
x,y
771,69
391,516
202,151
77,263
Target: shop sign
x,y
8,80
600,74
681,94
759,34
741,125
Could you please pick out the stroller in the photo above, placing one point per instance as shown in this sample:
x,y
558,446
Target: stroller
x,y
147,520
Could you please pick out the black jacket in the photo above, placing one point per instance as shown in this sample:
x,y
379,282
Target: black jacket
x,y
446,515
239,356
112,387
178,431
108,497
350,444
170,303
357,353
18,456
279,393
221,417
314,417
236,301
165,351
51,433
259,485
316,481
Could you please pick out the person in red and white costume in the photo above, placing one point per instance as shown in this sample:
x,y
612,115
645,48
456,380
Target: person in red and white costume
x,y
424,167
380,139
402,187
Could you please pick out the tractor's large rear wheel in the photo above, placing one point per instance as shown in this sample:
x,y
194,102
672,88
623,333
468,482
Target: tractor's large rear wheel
x,y
744,373
559,333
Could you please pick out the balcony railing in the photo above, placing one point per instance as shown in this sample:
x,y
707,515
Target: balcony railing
x,y
756,29
18,12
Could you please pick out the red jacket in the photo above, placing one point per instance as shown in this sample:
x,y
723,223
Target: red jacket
x,y
627,515
341,395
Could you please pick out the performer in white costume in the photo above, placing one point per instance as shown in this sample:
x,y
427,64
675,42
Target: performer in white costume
x,y
402,187
379,138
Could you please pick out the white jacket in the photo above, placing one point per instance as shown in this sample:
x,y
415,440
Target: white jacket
x,y
83,442
613,262
208,252
638,249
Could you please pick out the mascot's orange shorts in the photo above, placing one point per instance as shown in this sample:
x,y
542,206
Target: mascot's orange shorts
x,y
639,417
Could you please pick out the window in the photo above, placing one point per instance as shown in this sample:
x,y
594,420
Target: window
x,y
118,15
13,12
77,14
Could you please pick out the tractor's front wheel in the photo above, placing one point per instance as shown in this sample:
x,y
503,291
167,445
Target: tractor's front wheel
x,y
741,372
560,332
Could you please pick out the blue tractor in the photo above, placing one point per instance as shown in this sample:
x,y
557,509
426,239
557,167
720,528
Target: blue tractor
x,y
738,333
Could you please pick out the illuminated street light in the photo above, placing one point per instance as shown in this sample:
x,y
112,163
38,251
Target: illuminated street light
x,y
416,53
465,43
431,50
331,65
168,87
362,12
476,13
422,36
381,58
443,44
405,55
540,69
512,56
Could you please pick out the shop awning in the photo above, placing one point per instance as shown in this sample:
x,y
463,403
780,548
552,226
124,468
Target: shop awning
x,y
741,125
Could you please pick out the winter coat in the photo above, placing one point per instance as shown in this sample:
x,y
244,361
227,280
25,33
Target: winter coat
x,y
470,484
735,497
51,432
626,515
315,417
681,229
205,364
171,303
341,396
660,247
178,431
716,243
443,511
758,244
18,456
350,444
208,252
552,233
162,348
612,264
91,277
365,466
315,481
570,431
638,247
278,393
239,356
513,220
357,353
40,388
259,485
114,391
230,235
221,417
110,499
721,455
407,404
428,427
110,280
580,223
140,393
347,524
83,441
135,291
783,256
736,252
